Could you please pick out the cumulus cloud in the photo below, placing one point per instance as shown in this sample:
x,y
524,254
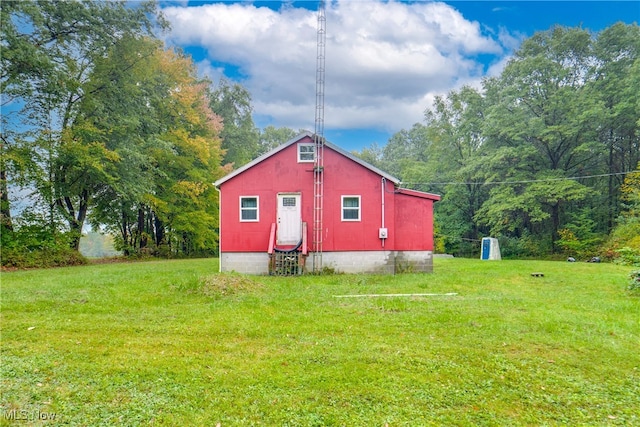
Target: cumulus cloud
x,y
207,69
385,61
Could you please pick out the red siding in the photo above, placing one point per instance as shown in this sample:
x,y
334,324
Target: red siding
x,y
409,219
277,174
343,177
414,223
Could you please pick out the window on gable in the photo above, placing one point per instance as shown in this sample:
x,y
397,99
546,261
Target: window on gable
x,y
306,152
249,209
351,208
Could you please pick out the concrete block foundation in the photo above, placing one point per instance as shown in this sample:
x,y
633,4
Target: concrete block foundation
x,y
380,262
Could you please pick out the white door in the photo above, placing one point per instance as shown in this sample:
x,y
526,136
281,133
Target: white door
x,y
289,219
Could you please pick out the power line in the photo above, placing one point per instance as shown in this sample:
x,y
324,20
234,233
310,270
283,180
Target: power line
x,y
517,182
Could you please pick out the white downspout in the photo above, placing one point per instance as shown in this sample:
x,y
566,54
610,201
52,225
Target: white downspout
x,y
219,229
383,182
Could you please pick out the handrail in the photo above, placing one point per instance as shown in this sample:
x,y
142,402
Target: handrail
x,y
302,245
272,238
289,249
305,249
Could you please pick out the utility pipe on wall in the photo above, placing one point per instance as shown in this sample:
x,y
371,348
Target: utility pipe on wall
x,y
383,182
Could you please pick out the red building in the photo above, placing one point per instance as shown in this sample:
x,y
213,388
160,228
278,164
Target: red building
x,y
370,223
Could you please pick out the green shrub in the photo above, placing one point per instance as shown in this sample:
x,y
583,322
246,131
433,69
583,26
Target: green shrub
x,y
580,247
628,256
623,245
634,280
34,244
43,258
523,247
326,271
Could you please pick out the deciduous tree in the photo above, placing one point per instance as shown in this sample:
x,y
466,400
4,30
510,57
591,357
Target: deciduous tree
x,y
271,137
539,106
49,50
240,137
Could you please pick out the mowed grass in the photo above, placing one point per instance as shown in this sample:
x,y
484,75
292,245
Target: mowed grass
x,y
175,343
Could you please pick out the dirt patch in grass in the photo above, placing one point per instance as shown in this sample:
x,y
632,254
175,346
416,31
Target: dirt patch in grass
x,y
219,285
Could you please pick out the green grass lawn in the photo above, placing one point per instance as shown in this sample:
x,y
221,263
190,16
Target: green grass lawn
x,y
175,343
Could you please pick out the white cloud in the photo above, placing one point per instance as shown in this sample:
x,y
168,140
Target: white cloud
x,y
496,69
509,39
384,61
206,69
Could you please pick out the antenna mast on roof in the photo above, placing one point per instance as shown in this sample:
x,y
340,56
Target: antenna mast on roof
x,y
318,139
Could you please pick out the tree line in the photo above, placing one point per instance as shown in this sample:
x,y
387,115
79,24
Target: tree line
x,y
538,155
104,126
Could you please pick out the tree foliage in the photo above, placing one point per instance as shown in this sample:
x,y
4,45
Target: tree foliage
x,y
271,137
625,237
166,150
49,50
240,137
538,154
104,125
454,127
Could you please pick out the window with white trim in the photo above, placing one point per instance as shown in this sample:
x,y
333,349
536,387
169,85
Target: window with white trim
x,y
306,152
249,209
351,208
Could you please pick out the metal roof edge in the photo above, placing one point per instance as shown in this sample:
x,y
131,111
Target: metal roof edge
x,y
262,157
416,193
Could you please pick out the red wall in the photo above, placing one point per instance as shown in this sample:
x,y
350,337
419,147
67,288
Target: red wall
x,y
342,176
414,223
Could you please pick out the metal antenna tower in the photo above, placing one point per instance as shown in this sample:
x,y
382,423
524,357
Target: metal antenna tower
x,y
318,139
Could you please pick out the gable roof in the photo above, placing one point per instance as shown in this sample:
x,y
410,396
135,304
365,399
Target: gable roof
x,y
294,140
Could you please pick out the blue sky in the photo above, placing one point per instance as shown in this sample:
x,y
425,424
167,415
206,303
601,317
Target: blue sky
x,y
385,61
